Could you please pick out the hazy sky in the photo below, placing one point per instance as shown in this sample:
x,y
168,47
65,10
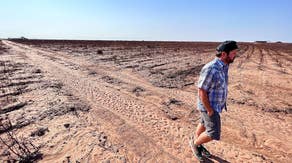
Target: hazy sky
x,y
181,20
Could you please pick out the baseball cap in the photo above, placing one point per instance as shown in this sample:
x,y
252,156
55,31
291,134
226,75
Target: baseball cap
x,y
227,46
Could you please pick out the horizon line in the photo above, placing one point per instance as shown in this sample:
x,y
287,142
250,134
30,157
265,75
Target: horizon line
x,y
139,40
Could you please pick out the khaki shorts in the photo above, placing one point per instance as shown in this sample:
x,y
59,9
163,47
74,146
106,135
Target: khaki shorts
x,y
212,124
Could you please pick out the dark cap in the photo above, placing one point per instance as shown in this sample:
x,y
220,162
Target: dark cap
x,y
227,46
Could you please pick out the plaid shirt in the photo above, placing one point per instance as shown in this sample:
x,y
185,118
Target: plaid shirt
x,y
214,80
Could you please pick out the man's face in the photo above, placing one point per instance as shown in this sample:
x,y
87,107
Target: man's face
x,y
230,58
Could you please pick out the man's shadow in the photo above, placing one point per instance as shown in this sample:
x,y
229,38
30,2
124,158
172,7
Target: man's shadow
x,y
213,157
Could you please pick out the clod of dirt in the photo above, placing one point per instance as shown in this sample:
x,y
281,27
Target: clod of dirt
x,y
99,52
173,101
5,153
92,73
37,71
138,90
12,107
40,131
111,80
66,125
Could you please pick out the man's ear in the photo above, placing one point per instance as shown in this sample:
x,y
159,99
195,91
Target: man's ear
x,y
224,54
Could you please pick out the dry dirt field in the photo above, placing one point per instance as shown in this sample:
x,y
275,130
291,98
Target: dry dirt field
x,y
122,101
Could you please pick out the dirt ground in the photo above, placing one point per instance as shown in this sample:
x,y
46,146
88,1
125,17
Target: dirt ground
x,y
123,101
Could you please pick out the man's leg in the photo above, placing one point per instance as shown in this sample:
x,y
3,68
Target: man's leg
x,y
196,145
203,138
200,129
195,148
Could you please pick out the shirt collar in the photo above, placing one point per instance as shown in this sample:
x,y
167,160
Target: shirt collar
x,y
221,64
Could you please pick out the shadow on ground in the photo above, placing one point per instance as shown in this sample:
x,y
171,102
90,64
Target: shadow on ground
x,y
216,158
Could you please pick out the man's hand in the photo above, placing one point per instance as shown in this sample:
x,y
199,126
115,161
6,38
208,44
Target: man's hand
x,y
204,98
210,113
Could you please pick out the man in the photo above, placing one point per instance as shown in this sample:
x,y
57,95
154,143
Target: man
x,y
212,95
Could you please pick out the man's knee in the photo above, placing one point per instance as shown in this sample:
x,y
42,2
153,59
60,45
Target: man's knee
x,y
200,129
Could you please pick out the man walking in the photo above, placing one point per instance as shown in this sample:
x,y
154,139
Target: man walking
x,y
212,95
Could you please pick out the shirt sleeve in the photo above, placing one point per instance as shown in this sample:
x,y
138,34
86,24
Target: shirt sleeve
x,y
205,79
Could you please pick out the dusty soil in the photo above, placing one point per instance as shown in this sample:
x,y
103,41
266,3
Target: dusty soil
x,y
118,101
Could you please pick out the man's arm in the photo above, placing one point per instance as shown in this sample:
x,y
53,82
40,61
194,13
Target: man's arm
x,y
205,100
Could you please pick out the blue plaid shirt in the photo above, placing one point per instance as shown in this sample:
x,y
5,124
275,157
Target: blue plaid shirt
x,y
214,80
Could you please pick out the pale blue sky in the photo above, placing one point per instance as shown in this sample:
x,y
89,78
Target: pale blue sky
x,y
169,20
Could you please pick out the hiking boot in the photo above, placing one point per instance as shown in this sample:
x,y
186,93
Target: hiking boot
x,y
195,149
204,151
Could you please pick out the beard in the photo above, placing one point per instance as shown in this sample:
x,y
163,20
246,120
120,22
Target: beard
x,y
229,60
